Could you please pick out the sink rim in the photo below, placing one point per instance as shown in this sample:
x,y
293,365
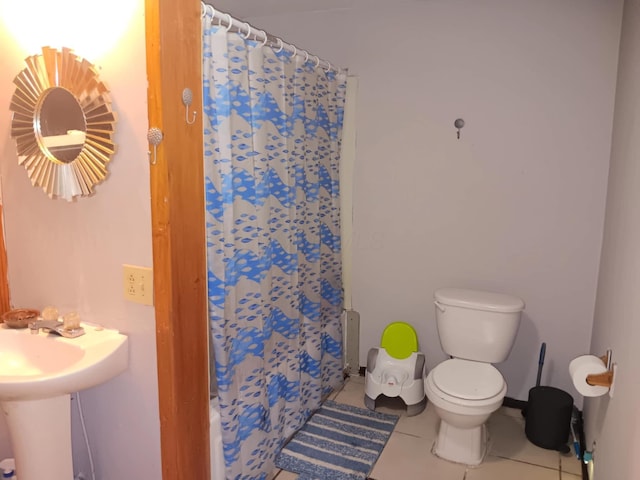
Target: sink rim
x,y
104,356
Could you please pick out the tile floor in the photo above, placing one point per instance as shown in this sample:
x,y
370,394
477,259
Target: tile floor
x,y
407,455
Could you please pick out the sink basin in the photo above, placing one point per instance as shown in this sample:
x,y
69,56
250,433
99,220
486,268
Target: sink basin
x,y
47,365
38,374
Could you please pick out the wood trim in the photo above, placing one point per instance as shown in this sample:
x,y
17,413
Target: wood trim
x,y
173,40
5,304
601,379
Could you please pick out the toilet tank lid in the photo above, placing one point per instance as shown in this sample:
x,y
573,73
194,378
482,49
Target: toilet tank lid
x,y
479,300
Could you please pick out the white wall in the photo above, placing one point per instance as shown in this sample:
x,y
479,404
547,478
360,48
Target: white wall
x,y
517,204
614,422
70,254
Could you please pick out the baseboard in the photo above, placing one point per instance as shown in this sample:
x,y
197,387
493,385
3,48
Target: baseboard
x,y
514,403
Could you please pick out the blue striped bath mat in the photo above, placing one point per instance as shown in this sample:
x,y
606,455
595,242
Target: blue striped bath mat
x,y
338,442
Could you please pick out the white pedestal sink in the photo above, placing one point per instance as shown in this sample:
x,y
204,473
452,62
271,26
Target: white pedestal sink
x,y
37,375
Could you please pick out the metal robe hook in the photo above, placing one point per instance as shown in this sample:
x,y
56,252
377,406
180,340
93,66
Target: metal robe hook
x,y
459,123
187,99
154,136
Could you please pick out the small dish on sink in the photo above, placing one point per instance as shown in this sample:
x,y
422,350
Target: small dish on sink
x,y
19,317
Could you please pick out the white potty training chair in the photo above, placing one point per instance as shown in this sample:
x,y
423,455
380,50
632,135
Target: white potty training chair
x,y
396,369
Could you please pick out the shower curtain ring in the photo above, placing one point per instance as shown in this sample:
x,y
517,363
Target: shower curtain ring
x,y
280,44
328,69
265,39
248,30
229,21
295,50
306,56
317,61
213,14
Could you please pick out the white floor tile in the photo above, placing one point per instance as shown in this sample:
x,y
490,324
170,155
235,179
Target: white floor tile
x,y
512,412
494,468
423,425
570,464
352,393
284,475
508,440
410,457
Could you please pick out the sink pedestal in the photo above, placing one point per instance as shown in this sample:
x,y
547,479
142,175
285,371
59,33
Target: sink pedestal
x,y
38,374
41,437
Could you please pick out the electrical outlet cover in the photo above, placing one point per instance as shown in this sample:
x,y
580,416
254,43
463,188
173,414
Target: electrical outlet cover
x,y
137,284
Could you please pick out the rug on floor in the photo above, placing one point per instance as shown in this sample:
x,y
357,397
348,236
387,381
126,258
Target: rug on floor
x,y
338,442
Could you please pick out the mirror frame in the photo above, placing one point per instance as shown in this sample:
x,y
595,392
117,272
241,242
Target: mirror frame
x,y
62,69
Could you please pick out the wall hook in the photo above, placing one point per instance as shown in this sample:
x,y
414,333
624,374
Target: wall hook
x,y
459,123
154,136
187,99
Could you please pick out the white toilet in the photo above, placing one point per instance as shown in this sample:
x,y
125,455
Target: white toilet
x,y
476,329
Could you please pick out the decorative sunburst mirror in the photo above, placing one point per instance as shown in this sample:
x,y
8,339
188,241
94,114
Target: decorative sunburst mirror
x,y
62,123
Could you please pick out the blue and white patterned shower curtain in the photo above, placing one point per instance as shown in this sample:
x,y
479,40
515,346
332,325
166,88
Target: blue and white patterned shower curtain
x,y
272,126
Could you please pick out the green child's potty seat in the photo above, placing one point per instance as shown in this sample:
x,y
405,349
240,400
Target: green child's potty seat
x,y
396,369
400,340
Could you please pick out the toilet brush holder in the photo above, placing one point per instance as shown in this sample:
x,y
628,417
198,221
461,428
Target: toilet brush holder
x,y
548,413
548,419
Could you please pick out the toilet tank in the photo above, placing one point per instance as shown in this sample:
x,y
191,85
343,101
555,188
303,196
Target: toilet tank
x,y
477,325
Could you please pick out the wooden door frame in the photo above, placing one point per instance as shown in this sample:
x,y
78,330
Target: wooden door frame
x,y
5,304
173,40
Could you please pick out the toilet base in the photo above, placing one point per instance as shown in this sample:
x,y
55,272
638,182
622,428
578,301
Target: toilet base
x,y
461,445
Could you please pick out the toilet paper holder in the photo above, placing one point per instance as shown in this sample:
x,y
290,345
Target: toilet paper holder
x,y
602,379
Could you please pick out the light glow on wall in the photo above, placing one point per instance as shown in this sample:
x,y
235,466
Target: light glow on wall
x,y
89,27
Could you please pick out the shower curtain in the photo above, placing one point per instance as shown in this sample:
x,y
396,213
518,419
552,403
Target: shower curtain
x,y
273,125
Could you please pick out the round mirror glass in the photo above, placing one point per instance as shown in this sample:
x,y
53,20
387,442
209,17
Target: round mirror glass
x,y
60,124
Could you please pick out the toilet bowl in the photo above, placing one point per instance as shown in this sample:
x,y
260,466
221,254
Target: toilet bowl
x,y
464,393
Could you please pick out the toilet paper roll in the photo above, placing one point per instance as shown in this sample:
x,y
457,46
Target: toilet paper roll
x,y
585,365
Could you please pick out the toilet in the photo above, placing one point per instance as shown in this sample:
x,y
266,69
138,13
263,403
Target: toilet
x,y
476,329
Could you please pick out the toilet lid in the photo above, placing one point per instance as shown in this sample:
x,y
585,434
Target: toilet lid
x,y
467,379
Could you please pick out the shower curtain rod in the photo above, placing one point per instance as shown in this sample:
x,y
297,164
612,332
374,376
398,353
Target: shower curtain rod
x,y
247,31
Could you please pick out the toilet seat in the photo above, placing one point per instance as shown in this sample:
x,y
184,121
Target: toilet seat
x,y
463,406
467,379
